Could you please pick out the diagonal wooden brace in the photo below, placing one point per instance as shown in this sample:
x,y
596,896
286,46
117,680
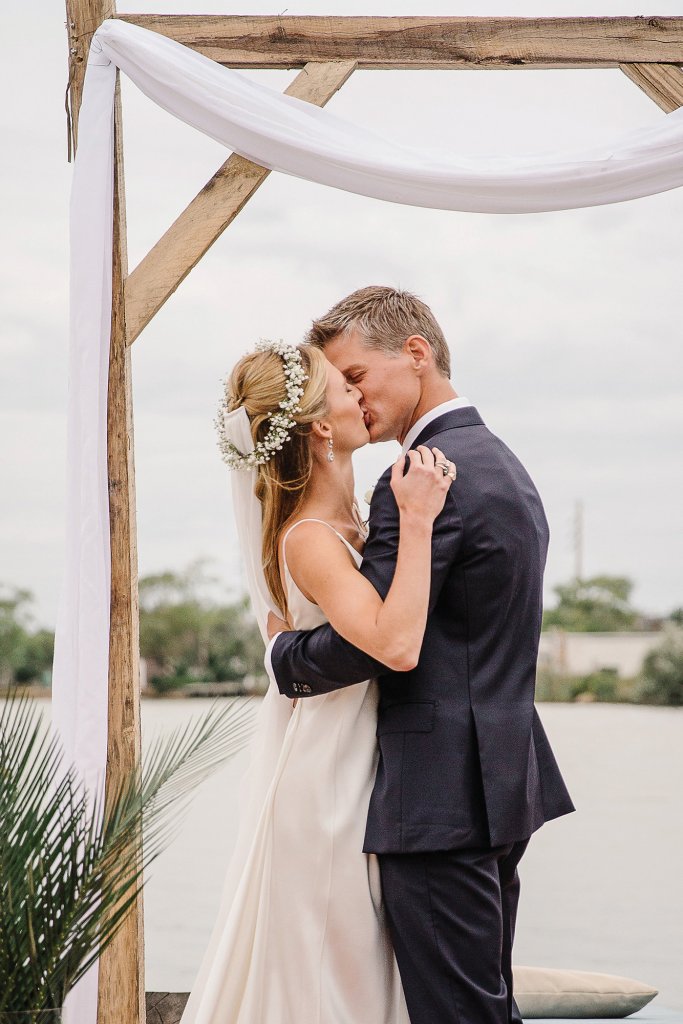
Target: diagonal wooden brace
x,y
663,83
169,262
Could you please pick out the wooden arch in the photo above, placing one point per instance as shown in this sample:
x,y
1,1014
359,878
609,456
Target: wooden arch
x,y
649,50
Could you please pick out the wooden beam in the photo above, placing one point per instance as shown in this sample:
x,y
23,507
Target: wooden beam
x,y
290,41
196,229
663,83
121,971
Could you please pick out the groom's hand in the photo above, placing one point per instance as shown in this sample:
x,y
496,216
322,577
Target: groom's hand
x,y
276,625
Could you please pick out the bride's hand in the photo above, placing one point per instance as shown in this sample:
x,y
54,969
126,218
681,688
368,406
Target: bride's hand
x,y
422,491
276,625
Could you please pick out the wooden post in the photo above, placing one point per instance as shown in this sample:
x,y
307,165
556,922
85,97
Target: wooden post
x,y
122,965
121,996
83,17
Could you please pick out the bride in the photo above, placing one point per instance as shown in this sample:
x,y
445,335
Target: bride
x,y
300,935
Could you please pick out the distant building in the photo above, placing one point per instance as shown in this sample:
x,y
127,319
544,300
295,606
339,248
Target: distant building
x,y
580,654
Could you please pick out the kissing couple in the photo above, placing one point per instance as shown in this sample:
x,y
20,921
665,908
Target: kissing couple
x,y
398,766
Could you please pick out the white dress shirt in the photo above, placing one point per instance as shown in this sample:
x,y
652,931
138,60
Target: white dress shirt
x,y
453,403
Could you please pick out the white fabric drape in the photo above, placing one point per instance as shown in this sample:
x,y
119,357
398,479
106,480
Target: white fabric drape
x,y
289,135
81,658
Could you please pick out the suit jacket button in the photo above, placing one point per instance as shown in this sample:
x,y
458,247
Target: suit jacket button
x,y
306,688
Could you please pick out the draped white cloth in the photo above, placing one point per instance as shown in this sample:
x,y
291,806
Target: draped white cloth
x,y
289,135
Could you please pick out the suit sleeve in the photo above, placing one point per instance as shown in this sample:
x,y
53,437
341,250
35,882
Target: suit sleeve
x,y
309,662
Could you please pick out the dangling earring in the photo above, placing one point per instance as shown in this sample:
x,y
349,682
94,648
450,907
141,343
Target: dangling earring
x,y
330,454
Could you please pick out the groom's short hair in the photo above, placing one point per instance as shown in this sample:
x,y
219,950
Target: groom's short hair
x,y
385,317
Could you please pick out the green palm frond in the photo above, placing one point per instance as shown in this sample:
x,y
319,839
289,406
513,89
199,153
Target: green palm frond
x,y
71,863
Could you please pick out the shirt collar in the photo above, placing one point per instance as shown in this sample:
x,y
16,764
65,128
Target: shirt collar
x,y
453,403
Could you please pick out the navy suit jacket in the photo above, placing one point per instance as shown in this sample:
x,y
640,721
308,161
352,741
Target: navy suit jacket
x,y
463,757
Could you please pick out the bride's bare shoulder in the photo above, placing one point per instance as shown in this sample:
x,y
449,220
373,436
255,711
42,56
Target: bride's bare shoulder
x,y
312,549
307,549
305,534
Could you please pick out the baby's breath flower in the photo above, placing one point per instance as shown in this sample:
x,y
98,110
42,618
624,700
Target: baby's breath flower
x,y
280,422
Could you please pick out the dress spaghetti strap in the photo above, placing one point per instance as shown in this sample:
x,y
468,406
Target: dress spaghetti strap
x,y
341,537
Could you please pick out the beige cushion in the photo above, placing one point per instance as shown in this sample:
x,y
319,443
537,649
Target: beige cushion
x,y
549,992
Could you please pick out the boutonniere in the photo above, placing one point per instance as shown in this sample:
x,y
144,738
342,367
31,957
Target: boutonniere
x,y
368,495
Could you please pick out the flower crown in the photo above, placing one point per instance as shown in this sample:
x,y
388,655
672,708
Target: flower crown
x,y
280,422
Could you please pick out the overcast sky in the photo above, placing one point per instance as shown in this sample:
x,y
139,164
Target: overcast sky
x,y
565,328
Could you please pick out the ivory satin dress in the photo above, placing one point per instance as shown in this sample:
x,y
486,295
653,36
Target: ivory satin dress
x,y
300,935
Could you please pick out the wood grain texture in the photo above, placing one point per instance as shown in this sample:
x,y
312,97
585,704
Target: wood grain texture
x,y
663,83
166,1007
121,973
211,211
289,41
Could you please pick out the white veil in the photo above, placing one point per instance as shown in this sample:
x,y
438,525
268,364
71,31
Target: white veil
x,y
247,509
267,747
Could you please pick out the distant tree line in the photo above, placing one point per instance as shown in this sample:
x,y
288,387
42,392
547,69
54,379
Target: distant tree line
x,y
26,653
187,636
600,604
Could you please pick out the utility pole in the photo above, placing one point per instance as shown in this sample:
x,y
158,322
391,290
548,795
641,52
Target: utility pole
x,y
578,540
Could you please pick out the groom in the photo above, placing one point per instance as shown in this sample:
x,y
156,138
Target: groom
x,y
465,773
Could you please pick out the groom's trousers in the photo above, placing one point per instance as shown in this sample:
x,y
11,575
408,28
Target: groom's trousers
x,y
451,916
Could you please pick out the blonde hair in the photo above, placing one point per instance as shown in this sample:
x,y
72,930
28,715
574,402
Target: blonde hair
x,y
258,383
385,317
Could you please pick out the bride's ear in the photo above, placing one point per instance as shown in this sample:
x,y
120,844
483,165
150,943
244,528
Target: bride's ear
x,y
322,429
